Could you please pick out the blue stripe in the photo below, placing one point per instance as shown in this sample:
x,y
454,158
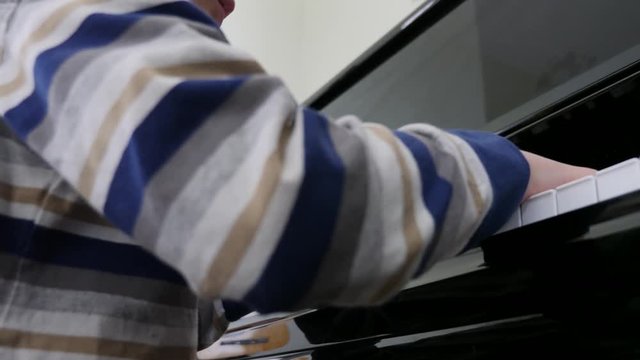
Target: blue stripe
x,y
307,237
509,175
436,191
23,238
182,9
176,117
95,31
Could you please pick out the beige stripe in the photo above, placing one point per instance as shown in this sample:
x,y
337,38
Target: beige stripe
x,y
244,230
46,28
413,240
51,203
92,346
134,88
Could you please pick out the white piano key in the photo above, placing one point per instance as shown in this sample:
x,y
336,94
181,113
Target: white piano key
x,y
515,221
618,179
539,207
577,194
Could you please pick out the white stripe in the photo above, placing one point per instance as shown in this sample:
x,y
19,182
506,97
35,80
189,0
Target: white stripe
x,y
18,211
82,114
99,302
8,69
463,218
15,152
466,220
473,216
121,137
54,38
110,90
28,16
382,228
276,217
116,69
35,177
28,212
391,198
26,176
100,327
188,207
232,198
370,239
423,220
26,354
94,91
108,76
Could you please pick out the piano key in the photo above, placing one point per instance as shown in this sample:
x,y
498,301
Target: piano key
x,y
618,179
615,180
539,207
576,194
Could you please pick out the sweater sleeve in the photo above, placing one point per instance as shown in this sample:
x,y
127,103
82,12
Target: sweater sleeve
x,y
184,143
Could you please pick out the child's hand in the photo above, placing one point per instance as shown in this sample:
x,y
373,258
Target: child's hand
x,y
547,174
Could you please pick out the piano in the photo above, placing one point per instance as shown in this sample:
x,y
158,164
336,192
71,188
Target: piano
x,y
562,278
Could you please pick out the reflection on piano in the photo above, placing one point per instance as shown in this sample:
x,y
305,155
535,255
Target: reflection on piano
x,y
562,278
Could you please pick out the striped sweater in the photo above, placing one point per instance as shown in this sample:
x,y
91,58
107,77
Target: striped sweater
x,y
146,163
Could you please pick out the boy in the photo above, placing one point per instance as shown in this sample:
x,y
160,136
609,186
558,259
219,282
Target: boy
x,y
146,163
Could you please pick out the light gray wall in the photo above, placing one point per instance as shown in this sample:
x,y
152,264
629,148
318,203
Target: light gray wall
x,y
307,42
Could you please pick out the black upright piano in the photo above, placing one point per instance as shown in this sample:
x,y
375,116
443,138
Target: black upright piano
x,y
560,78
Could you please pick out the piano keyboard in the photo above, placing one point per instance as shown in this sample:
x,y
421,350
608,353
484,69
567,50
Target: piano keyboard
x,y
616,180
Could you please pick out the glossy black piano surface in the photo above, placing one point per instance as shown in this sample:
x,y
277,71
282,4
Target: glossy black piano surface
x,y
566,287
